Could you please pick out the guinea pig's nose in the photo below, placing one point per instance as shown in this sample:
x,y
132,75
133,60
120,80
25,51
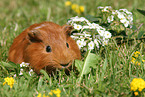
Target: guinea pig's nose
x,y
64,64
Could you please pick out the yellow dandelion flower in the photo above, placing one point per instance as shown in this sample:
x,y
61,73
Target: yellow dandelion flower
x,y
39,95
74,6
133,60
68,3
137,84
136,54
82,8
10,81
77,11
56,92
51,93
135,93
143,60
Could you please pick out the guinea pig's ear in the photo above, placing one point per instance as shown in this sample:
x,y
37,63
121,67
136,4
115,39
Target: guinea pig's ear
x,y
67,29
34,36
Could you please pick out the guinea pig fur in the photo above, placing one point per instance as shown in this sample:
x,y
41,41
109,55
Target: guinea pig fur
x,y
45,46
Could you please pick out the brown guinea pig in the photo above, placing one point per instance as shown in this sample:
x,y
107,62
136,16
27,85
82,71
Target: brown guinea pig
x,y
45,46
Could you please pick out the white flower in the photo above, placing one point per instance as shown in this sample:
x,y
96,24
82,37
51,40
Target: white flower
x,y
106,8
101,32
78,19
91,45
107,34
113,12
74,37
86,34
110,18
23,64
100,7
15,75
130,18
105,42
21,72
30,72
96,42
125,10
120,15
126,23
81,43
77,27
94,26
86,27
122,20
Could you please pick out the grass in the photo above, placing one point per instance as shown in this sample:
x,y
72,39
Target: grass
x,y
111,78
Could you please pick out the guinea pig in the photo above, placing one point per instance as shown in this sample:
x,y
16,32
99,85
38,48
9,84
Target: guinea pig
x,y
45,46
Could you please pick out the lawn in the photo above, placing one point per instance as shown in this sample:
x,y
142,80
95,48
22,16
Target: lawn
x,y
110,75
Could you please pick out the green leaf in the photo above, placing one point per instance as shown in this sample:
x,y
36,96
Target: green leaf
x,y
40,83
141,11
92,18
90,61
9,64
140,34
104,69
45,74
79,65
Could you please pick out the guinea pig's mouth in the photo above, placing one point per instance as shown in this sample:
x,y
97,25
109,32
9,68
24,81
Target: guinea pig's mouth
x,y
66,65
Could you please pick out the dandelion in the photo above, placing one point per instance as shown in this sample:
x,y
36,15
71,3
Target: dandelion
x,y
56,92
137,84
135,93
74,6
39,95
68,3
136,58
10,81
82,8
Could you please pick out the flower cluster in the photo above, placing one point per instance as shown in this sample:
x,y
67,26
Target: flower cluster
x,y
137,85
24,65
55,92
10,81
122,17
40,95
136,58
89,35
75,7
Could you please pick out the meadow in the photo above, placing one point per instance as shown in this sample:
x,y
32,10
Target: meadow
x,y
112,67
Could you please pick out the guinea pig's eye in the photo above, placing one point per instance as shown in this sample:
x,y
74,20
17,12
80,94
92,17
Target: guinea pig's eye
x,y
67,45
48,49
